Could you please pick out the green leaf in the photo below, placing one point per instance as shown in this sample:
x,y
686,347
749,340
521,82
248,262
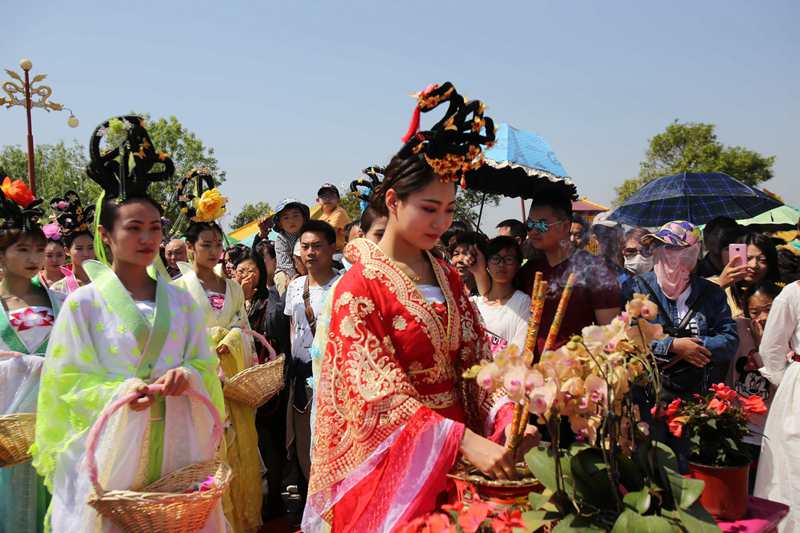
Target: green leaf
x,y
639,501
685,491
630,473
541,463
541,501
712,423
590,476
697,520
630,521
534,520
576,524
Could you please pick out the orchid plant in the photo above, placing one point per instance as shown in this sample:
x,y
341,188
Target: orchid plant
x,y
616,476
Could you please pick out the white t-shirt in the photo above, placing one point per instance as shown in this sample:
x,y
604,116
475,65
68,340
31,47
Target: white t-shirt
x,y
506,324
301,336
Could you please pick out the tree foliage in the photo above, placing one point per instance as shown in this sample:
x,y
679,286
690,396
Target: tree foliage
x,y
186,150
468,204
352,204
61,167
694,147
249,213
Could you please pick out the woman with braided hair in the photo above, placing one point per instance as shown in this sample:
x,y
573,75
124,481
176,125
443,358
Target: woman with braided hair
x,y
392,411
224,303
120,333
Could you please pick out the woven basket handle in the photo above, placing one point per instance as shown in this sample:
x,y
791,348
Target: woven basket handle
x,y
97,428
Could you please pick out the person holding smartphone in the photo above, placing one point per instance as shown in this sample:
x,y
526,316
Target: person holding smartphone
x,y
701,337
752,260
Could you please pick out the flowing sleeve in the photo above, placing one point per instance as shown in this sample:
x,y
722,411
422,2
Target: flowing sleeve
x,y
199,358
781,325
487,414
379,456
74,389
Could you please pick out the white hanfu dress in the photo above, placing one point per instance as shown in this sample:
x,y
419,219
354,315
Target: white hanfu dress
x,y
778,476
102,347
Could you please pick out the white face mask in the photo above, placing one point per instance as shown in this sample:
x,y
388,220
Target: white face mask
x,y
639,264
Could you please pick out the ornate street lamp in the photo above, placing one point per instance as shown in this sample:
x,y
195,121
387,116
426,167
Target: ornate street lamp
x,y
27,89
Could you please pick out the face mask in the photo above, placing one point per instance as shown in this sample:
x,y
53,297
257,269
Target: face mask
x,y
673,268
639,264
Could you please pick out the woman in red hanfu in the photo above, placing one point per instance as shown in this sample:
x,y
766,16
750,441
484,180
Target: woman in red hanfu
x,y
392,411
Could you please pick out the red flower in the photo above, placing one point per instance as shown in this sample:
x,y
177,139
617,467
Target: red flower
x,y
17,192
718,406
456,507
676,426
471,519
429,523
674,407
754,405
507,522
723,392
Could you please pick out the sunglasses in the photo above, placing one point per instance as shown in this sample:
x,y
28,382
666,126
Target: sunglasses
x,y
541,225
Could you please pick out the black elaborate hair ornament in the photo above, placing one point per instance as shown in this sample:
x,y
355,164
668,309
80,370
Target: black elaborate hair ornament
x,y
19,208
124,168
370,183
453,146
70,214
198,199
364,187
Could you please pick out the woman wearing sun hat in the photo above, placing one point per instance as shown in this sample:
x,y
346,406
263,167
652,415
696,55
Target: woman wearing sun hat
x,y
701,336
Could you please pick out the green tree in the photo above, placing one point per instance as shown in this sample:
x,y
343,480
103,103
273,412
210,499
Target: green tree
x,y
186,150
352,204
694,147
59,168
249,213
468,204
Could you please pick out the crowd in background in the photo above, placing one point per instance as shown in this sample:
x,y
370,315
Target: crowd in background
x,y
717,309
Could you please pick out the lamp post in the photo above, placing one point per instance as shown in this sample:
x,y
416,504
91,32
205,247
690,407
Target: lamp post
x,y
27,89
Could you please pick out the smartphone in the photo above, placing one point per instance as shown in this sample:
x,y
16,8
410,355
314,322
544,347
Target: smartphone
x,y
738,250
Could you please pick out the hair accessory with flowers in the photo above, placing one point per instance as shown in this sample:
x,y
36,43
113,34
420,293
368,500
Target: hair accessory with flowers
x,y
18,207
123,158
70,214
453,146
198,199
52,232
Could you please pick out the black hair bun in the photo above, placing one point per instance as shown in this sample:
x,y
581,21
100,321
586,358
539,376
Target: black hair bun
x,y
70,214
453,146
124,168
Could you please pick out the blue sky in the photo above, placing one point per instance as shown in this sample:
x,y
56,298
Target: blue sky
x,y
292,94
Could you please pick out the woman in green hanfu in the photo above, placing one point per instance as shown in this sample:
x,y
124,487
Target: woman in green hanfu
x,y
116,335
27,315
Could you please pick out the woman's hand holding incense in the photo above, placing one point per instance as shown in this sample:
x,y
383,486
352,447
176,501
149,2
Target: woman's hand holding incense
x,y
490,458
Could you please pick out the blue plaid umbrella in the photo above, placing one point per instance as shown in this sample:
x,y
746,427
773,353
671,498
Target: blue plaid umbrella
x,y
696,197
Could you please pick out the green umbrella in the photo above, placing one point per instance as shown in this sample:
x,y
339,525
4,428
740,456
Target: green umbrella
x,y
783,215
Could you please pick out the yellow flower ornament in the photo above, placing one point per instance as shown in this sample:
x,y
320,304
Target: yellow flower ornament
x,y
210,206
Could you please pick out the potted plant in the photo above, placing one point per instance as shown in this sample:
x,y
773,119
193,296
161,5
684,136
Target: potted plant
x,y
616,477
714,425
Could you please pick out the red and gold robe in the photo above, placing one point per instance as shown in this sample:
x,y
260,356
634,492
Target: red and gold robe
x,y
391,406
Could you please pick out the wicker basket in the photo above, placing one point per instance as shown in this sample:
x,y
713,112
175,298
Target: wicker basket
x,y
161,506
256,385
16,438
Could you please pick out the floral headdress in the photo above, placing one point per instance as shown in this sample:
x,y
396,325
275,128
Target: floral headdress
x,y
198,199
453,146
71,216
364,187
18,207
124,167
